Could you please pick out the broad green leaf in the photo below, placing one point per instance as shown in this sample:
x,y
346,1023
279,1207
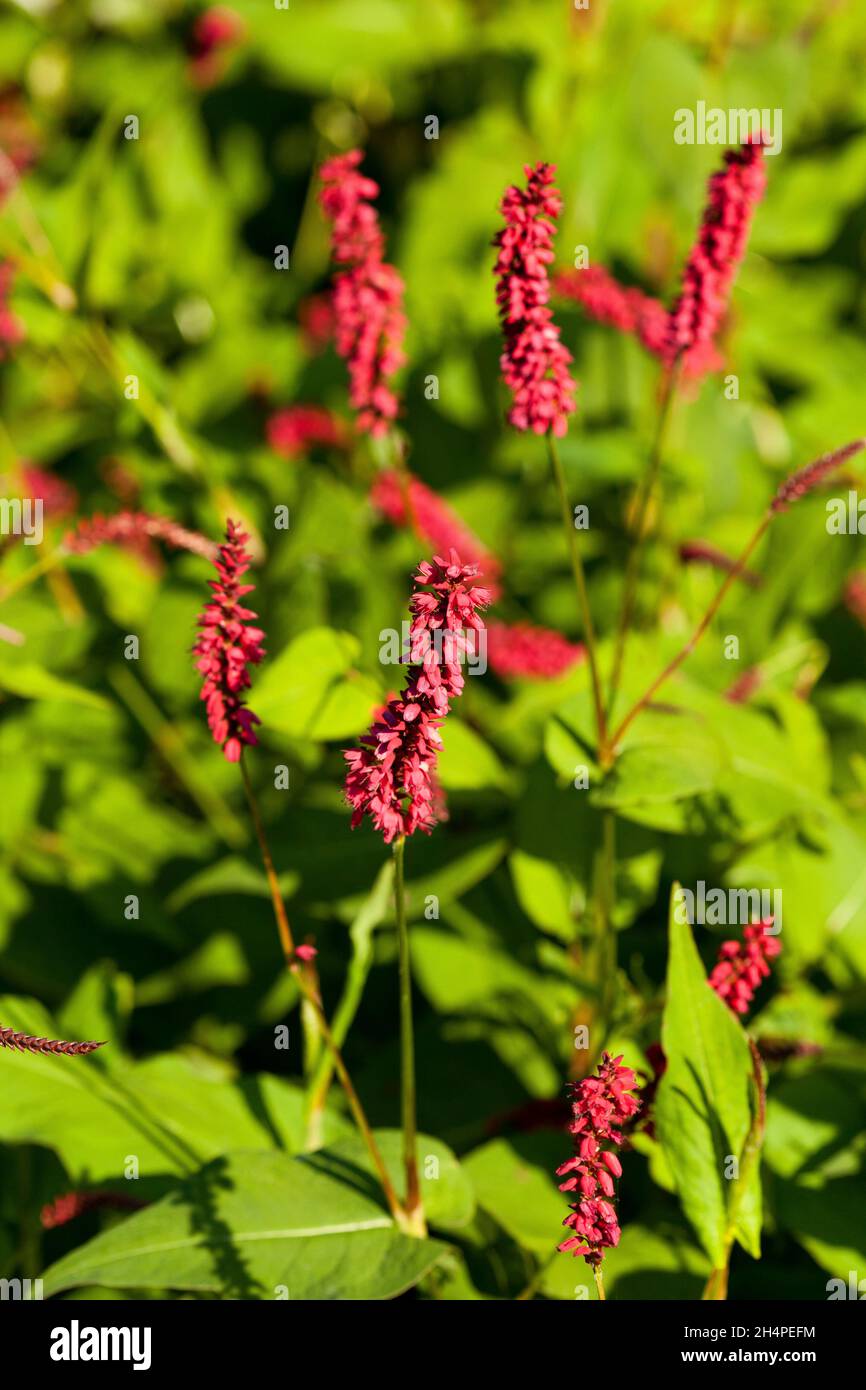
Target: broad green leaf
x,y
514,1180
172,1112
256,1226
233,875
466,762
704,1103
33,683
311,691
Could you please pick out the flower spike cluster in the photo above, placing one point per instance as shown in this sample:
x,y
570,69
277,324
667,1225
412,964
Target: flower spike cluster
x,y
368,293
534,362
391,778
227,646
742,965
734,192
601,1105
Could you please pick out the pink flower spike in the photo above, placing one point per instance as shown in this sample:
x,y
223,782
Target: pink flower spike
x,y
392,776
517,650
293,431
367,294
734,192
534,362
227,645
742,965
619,306
306,952
599,1103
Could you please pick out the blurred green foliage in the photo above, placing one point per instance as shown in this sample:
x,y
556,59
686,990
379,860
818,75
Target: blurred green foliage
x,y
112,787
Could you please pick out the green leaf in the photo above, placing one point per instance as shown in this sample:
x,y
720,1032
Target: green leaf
x,y
231,875
446,1188
466,762
256,1226
311,691
31,682
514,1180
675,758
173,1112
704,1104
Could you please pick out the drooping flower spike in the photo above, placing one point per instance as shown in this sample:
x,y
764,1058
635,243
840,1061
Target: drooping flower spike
x,y
368,293
133,528
618,306
391,778
742,965
227,646
534,362
601,1105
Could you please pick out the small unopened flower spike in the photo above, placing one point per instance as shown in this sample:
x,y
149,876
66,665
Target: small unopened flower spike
x,y
807,479
25,1042
742,965
227,645
535,363
601,1105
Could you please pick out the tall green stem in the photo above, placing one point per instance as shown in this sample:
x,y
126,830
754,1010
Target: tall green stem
x,y
632,572
309,991
582,596
413,1203
606,930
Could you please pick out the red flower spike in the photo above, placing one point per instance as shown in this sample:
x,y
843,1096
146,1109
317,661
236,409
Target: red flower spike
x,y
742,965
537,653
734,192
600,1104
227,646
618,306
368,294
292,431
73,1204
534,362
391,778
